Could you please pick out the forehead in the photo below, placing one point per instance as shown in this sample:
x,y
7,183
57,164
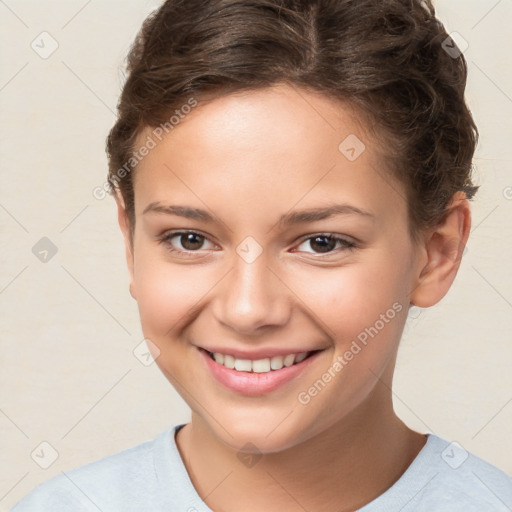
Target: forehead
x,y
274,147
284,115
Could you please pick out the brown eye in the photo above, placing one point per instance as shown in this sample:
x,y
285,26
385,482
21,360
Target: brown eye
x,y
323,243
326,243
191,241
184,242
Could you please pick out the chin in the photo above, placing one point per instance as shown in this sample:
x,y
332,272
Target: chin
x,y
255,432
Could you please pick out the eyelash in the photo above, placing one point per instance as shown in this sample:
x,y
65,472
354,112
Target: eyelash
x,y
166,237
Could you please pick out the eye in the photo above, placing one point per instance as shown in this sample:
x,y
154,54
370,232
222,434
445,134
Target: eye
x,y
326,243
190,241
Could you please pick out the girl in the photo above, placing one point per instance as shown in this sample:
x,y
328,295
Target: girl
x,y
290,176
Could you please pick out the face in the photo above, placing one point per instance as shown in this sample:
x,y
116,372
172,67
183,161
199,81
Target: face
x,y
265,229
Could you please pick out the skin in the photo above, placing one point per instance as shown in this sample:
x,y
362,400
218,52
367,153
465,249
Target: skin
x,y
248,158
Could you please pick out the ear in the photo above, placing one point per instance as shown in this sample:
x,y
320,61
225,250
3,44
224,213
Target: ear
x,y
442,250
124,224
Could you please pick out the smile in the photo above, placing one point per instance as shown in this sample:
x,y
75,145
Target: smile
x,y
264,365
256,377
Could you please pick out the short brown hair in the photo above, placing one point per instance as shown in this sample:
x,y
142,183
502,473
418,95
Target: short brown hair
x,y
388,59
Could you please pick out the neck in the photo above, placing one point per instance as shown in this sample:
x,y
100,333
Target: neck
x,y
343,468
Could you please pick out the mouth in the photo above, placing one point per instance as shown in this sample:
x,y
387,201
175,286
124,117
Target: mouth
x,y
263,365
256,377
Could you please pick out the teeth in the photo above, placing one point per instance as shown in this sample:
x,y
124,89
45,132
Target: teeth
x,y
276,363
300,357
289,359
260,365
243,365
229,361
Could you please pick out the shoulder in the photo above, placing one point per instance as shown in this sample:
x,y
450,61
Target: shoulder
x,y
446,477
467,477
122,481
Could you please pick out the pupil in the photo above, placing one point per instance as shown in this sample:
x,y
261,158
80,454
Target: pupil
x,y
324,248
189,241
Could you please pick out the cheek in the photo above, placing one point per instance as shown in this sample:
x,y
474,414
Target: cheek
x,y
165,293
361,307
349,299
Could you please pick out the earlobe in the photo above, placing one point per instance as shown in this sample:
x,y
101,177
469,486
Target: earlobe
x,y
124,225
444,246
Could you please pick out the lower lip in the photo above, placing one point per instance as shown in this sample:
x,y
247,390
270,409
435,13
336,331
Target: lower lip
x,y
251,383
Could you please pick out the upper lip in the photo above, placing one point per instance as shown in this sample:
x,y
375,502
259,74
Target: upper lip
x,y
255,355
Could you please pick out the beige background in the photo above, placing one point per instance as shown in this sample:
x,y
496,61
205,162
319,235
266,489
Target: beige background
x,y
69,326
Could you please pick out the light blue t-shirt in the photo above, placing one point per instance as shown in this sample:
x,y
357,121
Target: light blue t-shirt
x,y
151,477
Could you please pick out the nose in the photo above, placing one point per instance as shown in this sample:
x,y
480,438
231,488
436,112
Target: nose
x,y
252,297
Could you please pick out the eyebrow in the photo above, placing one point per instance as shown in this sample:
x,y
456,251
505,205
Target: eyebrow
x,y
181,211
314,214
294,217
